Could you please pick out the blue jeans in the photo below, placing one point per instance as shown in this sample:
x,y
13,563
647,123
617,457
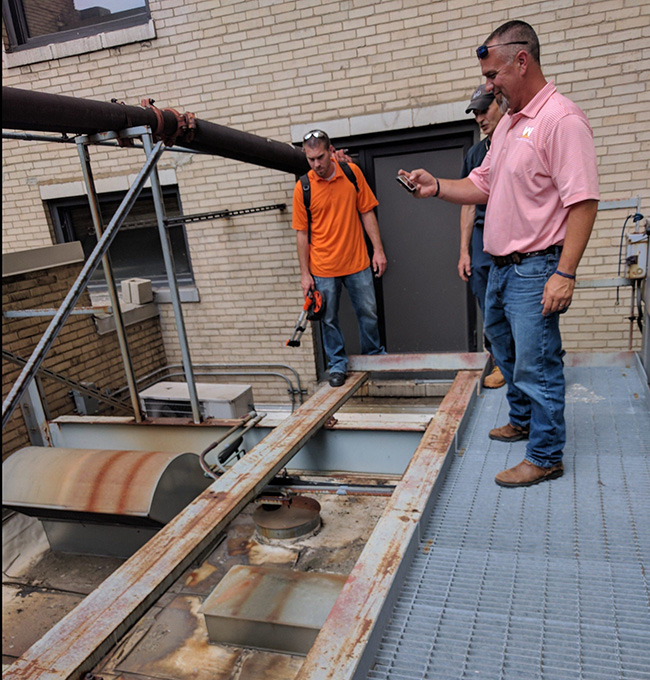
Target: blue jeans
x,y
527,348
480,268
362,295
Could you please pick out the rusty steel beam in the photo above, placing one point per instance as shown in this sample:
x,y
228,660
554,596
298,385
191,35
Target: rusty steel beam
x,y
83,637
342,650
44,112
446,361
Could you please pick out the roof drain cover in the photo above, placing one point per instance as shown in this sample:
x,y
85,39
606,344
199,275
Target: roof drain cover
x,y
281,516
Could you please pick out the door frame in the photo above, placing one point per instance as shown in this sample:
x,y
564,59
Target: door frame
x,y
363,149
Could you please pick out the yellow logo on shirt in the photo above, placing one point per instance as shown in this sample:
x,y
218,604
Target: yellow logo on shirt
x,y
528,131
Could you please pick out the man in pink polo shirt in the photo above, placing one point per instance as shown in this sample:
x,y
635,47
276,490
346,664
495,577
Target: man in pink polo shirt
x,y
540,182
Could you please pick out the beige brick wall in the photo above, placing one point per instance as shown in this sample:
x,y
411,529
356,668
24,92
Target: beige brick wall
x,y
78,353
263,66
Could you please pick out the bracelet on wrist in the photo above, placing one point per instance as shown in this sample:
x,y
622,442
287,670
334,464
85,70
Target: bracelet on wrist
x,y
566,276
437,187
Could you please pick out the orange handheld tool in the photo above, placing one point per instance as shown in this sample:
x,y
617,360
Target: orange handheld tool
x,y
312,309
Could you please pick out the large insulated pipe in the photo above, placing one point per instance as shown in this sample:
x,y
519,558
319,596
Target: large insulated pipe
x,y
43,112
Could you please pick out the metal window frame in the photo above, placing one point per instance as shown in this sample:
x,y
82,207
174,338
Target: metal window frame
x,y
55,205
13,14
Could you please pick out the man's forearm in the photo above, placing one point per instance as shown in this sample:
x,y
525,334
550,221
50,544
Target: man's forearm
x,y
371,227
467,214
558,291
379,261
579,226
462,191
302,244
452,190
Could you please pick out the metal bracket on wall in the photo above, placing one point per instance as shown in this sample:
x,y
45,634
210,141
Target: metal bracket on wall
x,y
202,217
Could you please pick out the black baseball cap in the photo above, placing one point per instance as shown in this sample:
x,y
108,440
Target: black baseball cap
x,y
480,100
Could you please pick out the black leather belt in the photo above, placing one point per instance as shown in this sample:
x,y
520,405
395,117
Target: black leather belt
x,y
516,258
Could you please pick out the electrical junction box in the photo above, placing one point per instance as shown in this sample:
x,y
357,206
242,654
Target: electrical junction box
x,y
637,256
137,291
216,400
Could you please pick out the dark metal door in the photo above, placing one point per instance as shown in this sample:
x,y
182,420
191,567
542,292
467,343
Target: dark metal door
x,y
424,300
423,304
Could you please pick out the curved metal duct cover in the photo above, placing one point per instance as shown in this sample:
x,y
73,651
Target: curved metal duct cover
x,y
58,482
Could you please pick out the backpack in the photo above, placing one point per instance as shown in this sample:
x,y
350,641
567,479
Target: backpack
x,y
306,191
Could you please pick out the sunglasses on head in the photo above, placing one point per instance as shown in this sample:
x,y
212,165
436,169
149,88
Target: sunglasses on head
x,y
319,134
482,50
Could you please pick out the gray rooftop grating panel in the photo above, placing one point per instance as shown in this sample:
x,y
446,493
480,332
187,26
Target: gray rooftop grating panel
x,y
547,582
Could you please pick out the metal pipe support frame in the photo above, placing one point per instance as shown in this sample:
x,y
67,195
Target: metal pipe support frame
x,y
69,302
95,211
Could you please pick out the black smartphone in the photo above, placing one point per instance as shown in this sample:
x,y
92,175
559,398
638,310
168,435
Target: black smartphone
x,y
406,183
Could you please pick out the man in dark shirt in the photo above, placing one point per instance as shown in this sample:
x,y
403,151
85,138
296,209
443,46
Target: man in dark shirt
x,y
474,263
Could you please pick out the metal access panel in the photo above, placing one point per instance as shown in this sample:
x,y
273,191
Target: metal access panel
x,y
270,608
101,502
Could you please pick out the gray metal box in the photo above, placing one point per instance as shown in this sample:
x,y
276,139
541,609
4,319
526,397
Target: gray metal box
x,y
270,608
216,400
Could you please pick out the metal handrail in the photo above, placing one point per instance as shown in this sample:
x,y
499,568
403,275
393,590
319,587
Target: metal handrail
x,y
69,382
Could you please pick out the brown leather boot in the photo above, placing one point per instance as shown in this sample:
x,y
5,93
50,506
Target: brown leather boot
x,y
527,474
495,379
509,433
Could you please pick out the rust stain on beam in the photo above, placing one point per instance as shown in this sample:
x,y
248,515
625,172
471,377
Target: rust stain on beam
x,y
444,361
82,638
338,648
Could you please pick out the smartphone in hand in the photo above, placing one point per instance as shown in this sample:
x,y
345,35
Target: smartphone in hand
x,y
406,183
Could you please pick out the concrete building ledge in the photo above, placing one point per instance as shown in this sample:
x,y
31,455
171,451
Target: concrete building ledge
x,y
91,43
384,122
105,323
25,261
104,185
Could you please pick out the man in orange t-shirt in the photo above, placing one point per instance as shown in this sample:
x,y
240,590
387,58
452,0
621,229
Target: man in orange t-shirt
x,y
337,255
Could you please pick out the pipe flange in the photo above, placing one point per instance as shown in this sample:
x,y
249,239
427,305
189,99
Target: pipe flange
x,y
185,127
160,120
185,124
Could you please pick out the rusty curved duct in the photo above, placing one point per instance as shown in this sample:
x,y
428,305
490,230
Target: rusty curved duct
x,y
43,112
49,482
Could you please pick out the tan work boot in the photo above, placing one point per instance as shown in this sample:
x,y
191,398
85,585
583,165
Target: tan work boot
x,y
527,474
509,433
494,379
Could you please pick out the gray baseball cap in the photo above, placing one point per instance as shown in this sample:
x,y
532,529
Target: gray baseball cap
x,y
480,100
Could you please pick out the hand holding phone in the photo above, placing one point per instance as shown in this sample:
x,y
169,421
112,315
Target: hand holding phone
x,y
406,183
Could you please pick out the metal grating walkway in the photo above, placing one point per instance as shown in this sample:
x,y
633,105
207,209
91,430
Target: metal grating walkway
x,y
549,582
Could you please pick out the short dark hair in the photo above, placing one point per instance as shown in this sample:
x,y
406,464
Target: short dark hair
x,y
317,139
515,31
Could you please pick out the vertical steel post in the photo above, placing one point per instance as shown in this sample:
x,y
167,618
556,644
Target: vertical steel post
x,y
93,202
35,416
48,338
168,258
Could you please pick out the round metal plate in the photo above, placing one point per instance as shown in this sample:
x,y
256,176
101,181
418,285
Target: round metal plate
x,y
288,521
